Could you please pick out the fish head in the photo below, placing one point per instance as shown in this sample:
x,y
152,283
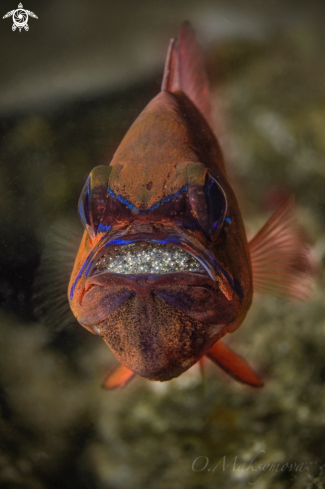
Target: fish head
x,y
163,270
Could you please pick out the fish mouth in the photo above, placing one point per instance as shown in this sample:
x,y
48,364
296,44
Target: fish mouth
x,y
143,261
159,302
147,258
154,255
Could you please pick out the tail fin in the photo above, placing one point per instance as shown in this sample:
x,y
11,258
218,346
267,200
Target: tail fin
x,y
185,70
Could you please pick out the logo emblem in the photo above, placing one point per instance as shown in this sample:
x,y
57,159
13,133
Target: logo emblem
x,y
20,18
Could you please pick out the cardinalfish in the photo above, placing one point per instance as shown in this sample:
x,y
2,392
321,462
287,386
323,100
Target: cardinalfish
x,y
164,270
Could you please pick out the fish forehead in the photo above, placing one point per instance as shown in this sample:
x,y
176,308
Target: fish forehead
x,y
147,165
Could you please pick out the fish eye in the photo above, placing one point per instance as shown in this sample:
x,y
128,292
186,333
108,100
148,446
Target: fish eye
x,y
207,198
216,205
83,208
92,201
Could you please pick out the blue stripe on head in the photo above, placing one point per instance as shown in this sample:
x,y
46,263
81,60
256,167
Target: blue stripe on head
x,y
103,229
120,199
129,204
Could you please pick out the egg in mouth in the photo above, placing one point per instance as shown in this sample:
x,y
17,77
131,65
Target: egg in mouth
x,y
147,258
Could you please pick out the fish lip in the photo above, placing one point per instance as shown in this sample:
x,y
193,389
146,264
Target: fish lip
x,y
146,283
211,267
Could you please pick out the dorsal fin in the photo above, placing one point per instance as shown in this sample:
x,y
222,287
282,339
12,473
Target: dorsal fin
x,y
185,70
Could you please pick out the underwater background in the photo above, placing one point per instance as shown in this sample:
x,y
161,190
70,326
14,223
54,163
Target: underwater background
x,y
69,89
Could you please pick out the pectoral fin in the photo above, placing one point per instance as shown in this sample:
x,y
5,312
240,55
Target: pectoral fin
x,y
118,378
233,364
282,262
50,299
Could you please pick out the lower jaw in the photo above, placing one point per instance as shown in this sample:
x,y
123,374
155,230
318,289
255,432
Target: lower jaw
x,y
181,345
175,369
164,374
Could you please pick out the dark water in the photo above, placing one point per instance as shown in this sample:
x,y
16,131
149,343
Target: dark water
x,y
69,89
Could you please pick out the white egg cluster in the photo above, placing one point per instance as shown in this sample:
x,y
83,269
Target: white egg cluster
x,y
147,258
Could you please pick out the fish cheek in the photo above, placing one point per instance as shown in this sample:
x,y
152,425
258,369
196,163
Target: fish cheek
x,y
203,304
100,302
155,340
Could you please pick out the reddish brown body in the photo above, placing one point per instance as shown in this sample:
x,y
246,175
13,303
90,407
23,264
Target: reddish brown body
x,y
157,188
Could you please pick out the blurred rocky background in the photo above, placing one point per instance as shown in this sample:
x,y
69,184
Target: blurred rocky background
x,y
69,89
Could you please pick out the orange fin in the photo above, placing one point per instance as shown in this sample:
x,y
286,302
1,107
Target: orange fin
x,y
233,364
118,378
185,70
281,260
